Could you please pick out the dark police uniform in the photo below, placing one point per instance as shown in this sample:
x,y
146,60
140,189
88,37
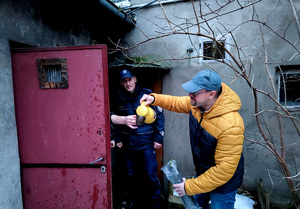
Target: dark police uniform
x,y
139,143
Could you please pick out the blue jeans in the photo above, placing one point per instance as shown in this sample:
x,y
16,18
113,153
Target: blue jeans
x,y
218,200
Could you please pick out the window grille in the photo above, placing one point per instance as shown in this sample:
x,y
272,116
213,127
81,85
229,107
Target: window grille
x,y
288,86
213,50
52,73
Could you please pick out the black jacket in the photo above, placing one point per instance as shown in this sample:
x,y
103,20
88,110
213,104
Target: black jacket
x,y
145,135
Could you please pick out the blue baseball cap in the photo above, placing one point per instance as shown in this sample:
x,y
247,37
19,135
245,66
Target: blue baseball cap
x,y
125,74
205,79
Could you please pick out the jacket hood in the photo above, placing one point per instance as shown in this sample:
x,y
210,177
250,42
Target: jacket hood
x,y
227,102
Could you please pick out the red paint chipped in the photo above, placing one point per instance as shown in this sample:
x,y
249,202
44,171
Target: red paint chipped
x,y
95,196
96,99
63,172
99,77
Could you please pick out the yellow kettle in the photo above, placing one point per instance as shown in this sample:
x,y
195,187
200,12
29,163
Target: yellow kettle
x,y
147,112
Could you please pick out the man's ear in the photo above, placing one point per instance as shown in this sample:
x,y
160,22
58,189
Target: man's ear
x,y
212,94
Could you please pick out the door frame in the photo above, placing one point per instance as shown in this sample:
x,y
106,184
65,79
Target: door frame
x,y
150,77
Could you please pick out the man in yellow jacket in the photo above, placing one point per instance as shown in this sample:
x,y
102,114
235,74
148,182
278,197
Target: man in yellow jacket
x,y
216,137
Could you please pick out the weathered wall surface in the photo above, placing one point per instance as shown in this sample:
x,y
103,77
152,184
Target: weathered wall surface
x,y
10,187
259,162
23,22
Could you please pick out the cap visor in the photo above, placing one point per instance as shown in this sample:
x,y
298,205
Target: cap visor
x,y
125,76
191,87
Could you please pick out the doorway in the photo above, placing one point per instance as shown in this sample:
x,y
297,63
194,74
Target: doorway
x,y
148,77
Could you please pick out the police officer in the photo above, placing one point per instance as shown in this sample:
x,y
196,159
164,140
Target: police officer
x,y
139,141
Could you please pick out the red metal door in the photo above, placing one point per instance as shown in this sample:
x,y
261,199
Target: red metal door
x,y
63,126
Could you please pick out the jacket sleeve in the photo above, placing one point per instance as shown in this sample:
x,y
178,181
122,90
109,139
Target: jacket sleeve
x,y
114,130
227,156
172,103
159,125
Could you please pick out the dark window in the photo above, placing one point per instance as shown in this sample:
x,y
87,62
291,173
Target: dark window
x,y
213,50
289,86
52,73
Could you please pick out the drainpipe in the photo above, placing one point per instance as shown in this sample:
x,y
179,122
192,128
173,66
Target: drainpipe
x,y
153,3
141,6
116,12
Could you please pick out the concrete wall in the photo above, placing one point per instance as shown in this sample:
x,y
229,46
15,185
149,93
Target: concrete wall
x,y
10,187
259,162
23,22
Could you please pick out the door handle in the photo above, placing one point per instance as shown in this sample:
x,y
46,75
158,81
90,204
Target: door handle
x,y
100,159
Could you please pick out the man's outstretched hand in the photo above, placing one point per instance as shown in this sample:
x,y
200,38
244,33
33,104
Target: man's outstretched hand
x,y
147,99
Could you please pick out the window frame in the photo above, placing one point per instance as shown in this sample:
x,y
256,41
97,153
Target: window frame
x,y
202,41
289,69
42,64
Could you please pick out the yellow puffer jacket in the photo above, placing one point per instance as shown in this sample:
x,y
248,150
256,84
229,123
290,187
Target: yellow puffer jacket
x,y
224,125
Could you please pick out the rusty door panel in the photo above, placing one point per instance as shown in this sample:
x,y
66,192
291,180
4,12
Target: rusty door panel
x,y
61,131
62,125
80,188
